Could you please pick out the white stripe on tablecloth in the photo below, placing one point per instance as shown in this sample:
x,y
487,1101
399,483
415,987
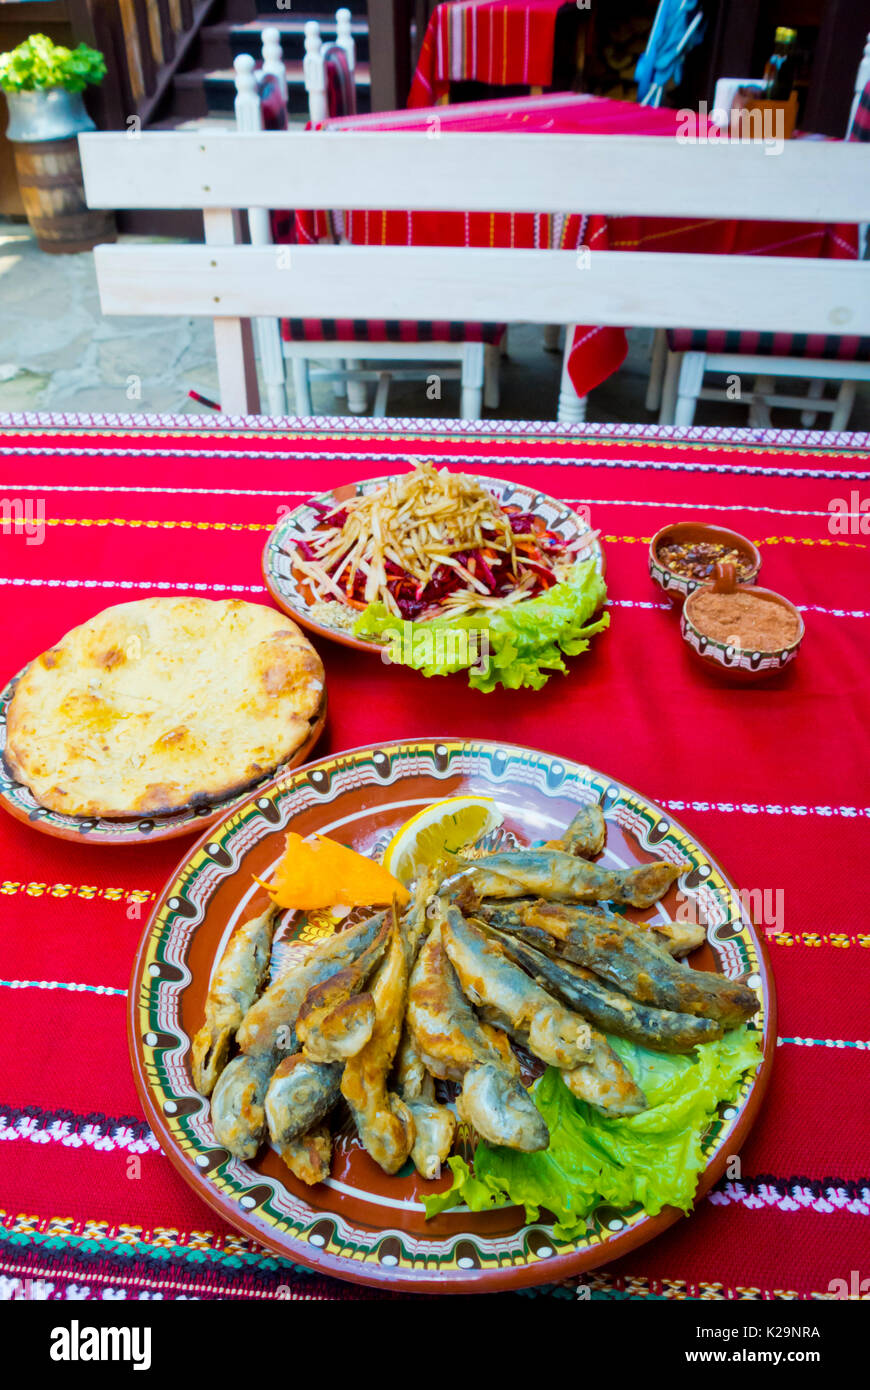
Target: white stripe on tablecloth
x,y
179,586
305,493
490,461
63,985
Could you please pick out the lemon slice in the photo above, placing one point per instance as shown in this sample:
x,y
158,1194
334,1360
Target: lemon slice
x,y
445,826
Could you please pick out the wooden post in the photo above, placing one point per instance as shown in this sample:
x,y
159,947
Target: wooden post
x,y
390,53
842,35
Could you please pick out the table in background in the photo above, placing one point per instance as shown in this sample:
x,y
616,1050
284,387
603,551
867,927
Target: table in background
x,y
503,43
592,353
772,779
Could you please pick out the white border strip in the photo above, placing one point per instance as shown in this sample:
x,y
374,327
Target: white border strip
x,y
425,426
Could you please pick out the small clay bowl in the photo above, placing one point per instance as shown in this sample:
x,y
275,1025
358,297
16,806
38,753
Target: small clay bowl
x,y
688,532
732,663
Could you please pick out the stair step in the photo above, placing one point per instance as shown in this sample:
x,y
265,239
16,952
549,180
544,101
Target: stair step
x,y
221,43
201,92
264,13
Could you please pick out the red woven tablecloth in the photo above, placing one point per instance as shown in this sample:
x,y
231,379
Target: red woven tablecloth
x,y
596,352
504,43
773,780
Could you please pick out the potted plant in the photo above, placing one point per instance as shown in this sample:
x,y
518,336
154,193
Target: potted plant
x,y
43,83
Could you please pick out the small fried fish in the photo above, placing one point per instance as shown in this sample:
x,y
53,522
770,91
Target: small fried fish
x,y
299,1094
336,1017
555,1035
237,1114
554,874
453,1045
619,952
384,1122
309,1157
270,1023
434,1124
605,1083
608,1009
237,982
586,835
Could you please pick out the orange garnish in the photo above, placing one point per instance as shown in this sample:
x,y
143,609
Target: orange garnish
x,y
320,873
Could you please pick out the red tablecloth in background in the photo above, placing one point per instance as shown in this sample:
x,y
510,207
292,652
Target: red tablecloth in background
x,y
773,780
505,43
596,352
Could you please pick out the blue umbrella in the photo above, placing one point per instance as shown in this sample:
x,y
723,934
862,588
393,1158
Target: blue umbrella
x,y
678,26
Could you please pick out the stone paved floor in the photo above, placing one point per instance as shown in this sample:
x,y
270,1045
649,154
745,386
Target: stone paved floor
x,y
57,353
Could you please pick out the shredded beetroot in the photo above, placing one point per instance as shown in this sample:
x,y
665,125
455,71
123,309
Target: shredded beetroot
x,y
498,574
524,522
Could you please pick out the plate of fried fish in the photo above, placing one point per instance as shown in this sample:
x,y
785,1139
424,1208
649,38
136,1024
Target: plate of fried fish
x,y
450,1016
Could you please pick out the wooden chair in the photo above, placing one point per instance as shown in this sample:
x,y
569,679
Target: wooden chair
x,y
638,175
681,357
328,72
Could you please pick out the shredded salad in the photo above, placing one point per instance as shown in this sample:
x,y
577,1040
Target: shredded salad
x,y
429,544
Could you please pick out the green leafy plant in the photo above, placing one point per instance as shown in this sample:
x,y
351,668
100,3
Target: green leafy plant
x,y
38,64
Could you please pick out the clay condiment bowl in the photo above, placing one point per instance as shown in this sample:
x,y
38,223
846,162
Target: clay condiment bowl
x,y
674,586
731,662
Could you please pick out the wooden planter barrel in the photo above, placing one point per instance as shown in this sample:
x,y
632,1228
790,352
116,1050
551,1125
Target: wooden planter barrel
x,y
50,182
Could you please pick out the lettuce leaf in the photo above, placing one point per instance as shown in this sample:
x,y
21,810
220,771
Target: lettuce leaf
x,y
653,1158
517,645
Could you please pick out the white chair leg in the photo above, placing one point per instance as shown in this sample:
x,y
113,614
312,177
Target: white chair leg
x,y
357,391
272,364
657,369
491,383
472,381
552,340
845,401
301,386
815,391
572,408
690,383
382,391
669,388
759,410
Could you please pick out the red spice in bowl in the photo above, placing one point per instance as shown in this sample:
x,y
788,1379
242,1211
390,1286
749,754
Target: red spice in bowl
x,y
745,620
741,632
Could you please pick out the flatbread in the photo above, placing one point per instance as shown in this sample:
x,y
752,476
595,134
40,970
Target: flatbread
x,y
159,705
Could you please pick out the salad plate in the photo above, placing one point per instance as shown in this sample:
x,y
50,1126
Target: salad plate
x,y
361,1224
291,589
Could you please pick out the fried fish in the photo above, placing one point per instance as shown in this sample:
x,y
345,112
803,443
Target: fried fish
x,y
555,874
384,1122
237,982
586,835
270,1024
453,1045
299,1094
625,956
610,1010
237,1114
488,976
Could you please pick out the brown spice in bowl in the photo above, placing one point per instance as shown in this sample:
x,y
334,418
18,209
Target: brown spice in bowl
x,y
744,620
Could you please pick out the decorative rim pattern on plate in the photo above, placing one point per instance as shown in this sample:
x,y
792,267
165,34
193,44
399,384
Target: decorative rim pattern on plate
x,y
283,1220
19,801
289,592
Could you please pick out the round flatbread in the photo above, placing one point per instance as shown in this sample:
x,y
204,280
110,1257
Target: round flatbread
x,y
163,704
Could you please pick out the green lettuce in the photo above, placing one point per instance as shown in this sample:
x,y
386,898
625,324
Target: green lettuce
x,y
517,645
653,1158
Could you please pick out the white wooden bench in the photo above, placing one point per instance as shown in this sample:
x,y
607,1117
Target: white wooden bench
x,y
233,283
